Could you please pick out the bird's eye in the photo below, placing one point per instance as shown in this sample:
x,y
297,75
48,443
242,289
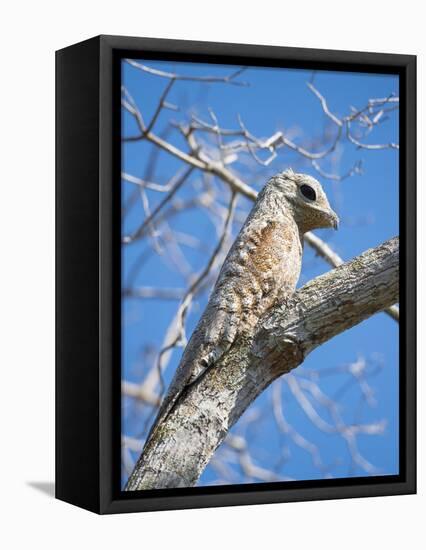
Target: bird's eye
x,y
308,192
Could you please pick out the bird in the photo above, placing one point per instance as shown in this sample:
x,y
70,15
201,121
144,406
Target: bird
x,y
261,268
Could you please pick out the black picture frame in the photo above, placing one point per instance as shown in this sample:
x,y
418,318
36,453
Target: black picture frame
x,y
88,274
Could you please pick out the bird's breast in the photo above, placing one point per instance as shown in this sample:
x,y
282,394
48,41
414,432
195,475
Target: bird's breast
x,y
264,264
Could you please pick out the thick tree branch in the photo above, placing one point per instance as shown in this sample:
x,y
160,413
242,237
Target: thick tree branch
x,y
332,258
181,446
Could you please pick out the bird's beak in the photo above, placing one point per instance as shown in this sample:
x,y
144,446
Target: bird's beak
x,y
334,219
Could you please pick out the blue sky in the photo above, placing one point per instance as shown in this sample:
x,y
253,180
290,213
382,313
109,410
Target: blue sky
x,y
275,99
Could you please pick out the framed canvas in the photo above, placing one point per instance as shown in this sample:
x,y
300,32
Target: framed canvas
x,y
218,342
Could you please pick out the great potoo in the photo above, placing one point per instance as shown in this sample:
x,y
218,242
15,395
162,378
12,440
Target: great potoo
x,y
262,267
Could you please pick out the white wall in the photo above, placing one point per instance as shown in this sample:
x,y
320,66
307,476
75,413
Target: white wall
x,y
30,32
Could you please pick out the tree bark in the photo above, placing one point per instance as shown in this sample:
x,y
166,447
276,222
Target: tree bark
x,y
181,446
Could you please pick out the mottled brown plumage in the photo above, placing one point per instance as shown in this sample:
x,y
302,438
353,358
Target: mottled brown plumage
x,y
262,267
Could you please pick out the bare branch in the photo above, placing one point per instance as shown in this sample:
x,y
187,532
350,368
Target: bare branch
x,y
175,184
146,184
324,105
374,146
189,295
230,79
331,257
160,105
138,391
356,169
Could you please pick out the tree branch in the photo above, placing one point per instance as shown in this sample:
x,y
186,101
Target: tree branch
x,y
332,258
181,446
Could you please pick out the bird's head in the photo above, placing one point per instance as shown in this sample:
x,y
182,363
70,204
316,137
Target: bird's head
x,y
306,199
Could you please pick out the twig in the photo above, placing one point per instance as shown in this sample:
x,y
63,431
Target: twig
x,y
230,79
175,184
